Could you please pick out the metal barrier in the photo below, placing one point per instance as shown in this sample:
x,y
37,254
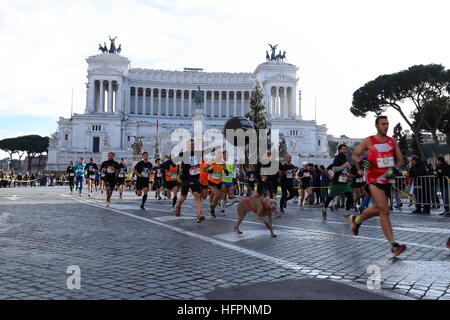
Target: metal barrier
x,y
424,191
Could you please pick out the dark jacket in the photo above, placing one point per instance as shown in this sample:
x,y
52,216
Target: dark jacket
x,y
443,170
418,169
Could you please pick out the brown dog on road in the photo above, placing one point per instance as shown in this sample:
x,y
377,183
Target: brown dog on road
x,y
261,206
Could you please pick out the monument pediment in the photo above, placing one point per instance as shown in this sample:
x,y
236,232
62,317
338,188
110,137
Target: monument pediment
x,y
281,77
106,70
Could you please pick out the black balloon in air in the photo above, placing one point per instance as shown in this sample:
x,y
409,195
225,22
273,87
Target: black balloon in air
x,y
237,123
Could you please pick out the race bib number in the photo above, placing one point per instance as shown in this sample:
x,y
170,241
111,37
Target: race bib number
x,y
342,178
264,178
92,176
103,175
289,174
385,162
110,170
71,174
306,174
252,178
121,175
159,174
173,175
359,180
194,171
193,161
216,176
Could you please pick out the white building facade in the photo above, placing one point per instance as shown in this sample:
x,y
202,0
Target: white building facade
x,y
123,102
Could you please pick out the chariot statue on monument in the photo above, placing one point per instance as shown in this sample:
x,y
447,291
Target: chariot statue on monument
x,y
112,47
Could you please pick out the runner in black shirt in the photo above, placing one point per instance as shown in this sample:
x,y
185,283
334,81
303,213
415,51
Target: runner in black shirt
x,y
142,171
158,183
121,176
267,184
91,169
70,175
305,175
287,173
110,169
190,177
250,178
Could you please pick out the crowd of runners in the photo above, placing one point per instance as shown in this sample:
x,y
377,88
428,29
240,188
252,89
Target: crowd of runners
x,y
364,182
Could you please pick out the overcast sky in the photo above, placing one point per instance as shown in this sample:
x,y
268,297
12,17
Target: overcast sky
x,y
337,45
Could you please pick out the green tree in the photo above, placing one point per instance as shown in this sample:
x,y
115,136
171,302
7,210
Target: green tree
x,y
429,118
417,142
444,124
258,116
402,140
32,145
10,146
418,85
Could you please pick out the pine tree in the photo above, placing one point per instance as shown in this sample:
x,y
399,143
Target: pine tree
x,y
414,145
402,141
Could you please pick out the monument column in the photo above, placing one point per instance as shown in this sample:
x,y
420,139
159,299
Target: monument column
x,y
110,96
144,93
118,102
220,104
151,100
235,103
204,103
213,114
136,98
182,103
228,104
242,103
159,101
102,98
175,102
167,102
91,95
285,103
190,102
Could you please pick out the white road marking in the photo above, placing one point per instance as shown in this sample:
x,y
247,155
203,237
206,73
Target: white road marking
x,y
248,234
171,218
14,197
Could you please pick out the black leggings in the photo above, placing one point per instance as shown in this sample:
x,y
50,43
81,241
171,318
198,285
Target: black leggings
x,y
285,189
71,183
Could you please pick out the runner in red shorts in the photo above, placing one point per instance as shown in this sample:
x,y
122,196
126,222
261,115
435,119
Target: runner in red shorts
x,y
383,159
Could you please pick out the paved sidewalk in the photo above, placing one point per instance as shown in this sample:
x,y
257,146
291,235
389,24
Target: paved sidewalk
x,y
126,253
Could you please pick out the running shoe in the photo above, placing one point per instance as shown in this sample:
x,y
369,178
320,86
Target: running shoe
x,y
323,213
222,211
355,226
448,243
108,202
301,208
200,218
211,212
219,206
142,207
173,209
332,208
177,210
396,248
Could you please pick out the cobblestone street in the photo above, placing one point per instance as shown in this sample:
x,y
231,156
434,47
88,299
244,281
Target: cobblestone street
x,y
126,253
